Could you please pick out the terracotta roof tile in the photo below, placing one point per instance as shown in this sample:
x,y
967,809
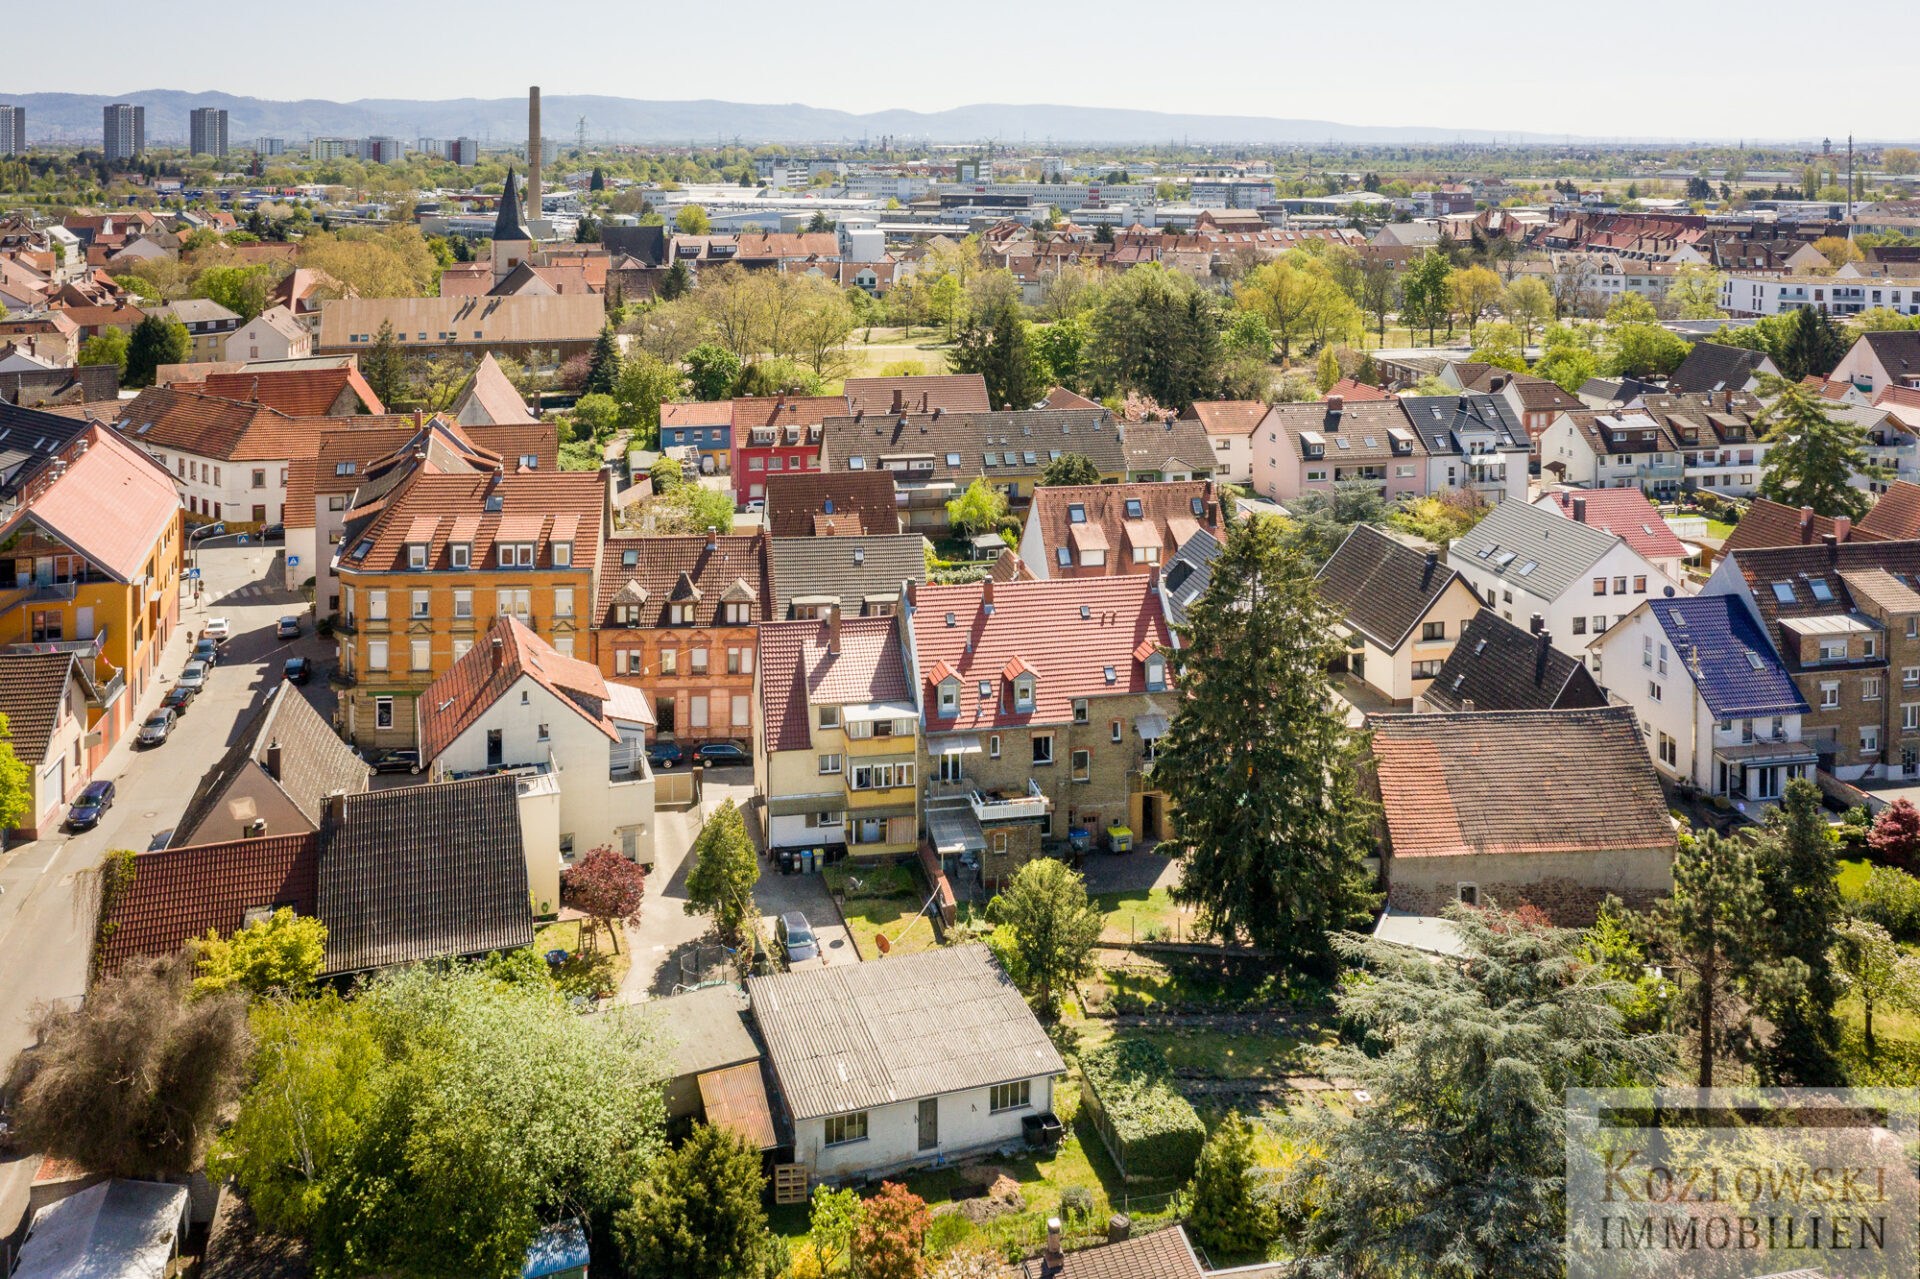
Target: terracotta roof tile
x,y
1625,512
31,686
796,501
492,666
112,505
1106,511
796,671
922,393
1228,417
179,893
1039,624
296,392
657,565
379,544
1514,782
1897,514
1768,523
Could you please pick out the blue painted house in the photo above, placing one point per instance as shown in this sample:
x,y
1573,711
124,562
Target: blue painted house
x,y
706,426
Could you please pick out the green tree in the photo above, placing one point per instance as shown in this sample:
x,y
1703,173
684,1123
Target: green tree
x,y
1695,293
1528,303
244,290
155,341
676,283
1454,1166
598,180
693,508
1054,928
594,416
1642,350
1631,308
603,365
1794,857
1068,469
1813,346
430,1125
1224,1213
1876,970
1568,367
645,382
978,509
1814,455
711,371
132,1083
1426,298
1474,289
281,952
1500,347
1326,371
385,367
1156,332
109,346
996,346
1259,764
830,1225
667,474
692,220
1711,929
725,869
1062,349
698,1212
1321,521
16,781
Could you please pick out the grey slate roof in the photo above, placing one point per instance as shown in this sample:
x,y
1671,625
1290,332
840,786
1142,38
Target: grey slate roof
x,y
1561,550
29,440
1709,366
314,762
1499,667
846,568
425,872
1188,574
857,1036
1440,419
876,437
1382,587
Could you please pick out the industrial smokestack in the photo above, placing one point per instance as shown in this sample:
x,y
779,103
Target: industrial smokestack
x,y
534,212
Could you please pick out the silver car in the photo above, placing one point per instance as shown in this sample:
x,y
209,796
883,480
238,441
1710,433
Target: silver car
x,y
157,728
193,677
796,934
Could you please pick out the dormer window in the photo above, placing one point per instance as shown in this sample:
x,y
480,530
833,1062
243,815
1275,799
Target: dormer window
x,y
949,698
462,553
516,554
343,468
530,460
1023,693
628,614
680,614
416,555
1156,673
563,554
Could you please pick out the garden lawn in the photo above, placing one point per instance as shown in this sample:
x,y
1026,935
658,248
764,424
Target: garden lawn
x,y
1853,876
1132,916
590,975
1896,1059
884,900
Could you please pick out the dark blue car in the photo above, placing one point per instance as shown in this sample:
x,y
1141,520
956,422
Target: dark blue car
x,y
718,753
95,800
664,754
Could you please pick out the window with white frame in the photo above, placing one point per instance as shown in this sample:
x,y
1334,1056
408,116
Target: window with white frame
x,y
461,553
562,554
740,711
377,655
1870,689
383,712
1023,693
416,555
377,605
993,746
829,765
463,601
420,655
1869,738
697,661
1082,765
1080,710
422,604
949,697
1015,1096
1043,748
1829,694
738,614
1909,717
563,601
669,661
829,717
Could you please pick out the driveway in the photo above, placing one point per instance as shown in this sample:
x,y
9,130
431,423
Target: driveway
x,y
776,894
670,947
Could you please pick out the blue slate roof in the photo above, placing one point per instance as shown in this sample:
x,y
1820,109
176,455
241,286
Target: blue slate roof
x,y
1723,648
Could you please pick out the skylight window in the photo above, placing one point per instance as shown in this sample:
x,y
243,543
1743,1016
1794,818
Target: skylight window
x,y
856,464
1111,675
1053,455
1085,612
494,504
1528,567
1133,508
1343,441
1485,551
1479,648
629,558
1029,458
986,689
1076,513
949,619
1199,506
1505,558
1753,660
953,459
1783,593
990,459
1373,441
1063,557
1821,591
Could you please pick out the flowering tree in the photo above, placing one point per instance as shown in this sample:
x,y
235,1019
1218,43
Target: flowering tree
x,y
1896,833
607,887
888,1238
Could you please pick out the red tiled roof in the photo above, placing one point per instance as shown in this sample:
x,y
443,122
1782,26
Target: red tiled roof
x,y
1353,390
920,393
112,505
1228,417
860,501
1166,519
534,494
1039,624
785,410
1896,516
1629,515
31,688
179,893
698,413
184,418
295,392
485,672
1768,523
796,671
1061,398
1448,789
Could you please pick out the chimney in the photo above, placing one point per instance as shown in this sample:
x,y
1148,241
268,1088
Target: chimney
x,y
1056,1257
419,419
986,592
336,810
1842,527
1335,403
273,759
1580,510
1806,526
1534,626
1542,642
499,653
833,631
913,594
533,153
1466,704
1426,573
1833,546
899,399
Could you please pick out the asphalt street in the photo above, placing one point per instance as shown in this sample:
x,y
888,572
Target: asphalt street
x,y
45,911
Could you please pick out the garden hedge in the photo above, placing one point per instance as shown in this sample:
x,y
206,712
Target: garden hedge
x,y
1150,1130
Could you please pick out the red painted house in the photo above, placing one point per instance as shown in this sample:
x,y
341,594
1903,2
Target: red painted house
x,y
777,434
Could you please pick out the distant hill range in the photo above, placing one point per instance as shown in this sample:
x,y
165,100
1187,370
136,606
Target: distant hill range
x,y
70,117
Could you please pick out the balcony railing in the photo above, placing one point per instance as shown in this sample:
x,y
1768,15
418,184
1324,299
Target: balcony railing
x,y
39,593
84,647
1660,471
998,806
109,692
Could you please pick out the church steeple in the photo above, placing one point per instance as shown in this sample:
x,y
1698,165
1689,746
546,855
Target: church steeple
x,y
511,224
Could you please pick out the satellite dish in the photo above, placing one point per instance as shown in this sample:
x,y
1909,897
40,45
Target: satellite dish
x,y
1669,592
880,940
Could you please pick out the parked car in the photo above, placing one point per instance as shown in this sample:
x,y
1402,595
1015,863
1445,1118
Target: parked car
x,y
289,628
160,840
393,761
274,533
93,802
194,677
207,653
298,669
178,699
796,934
157,729
722,753
217,628
664,754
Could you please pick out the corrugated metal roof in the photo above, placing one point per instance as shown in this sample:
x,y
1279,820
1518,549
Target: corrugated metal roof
x,y
858,1036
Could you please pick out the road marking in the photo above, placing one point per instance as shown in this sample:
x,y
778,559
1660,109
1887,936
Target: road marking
x,y
57,850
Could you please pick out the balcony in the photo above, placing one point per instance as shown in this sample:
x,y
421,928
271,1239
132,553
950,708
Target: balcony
x,y
1672,471
39,593
1010,805
83,647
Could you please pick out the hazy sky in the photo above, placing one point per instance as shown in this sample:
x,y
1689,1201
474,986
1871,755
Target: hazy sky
x,y
1636,67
